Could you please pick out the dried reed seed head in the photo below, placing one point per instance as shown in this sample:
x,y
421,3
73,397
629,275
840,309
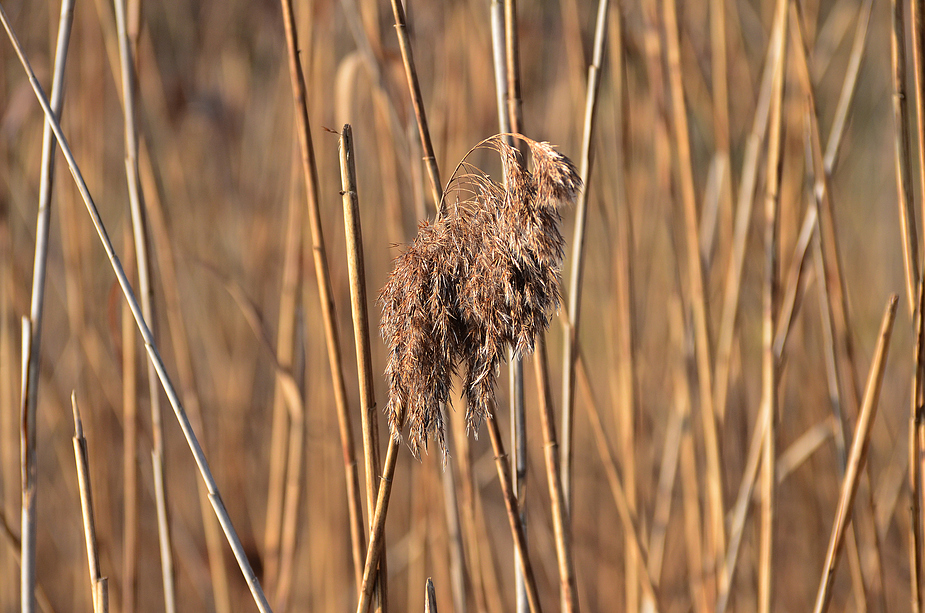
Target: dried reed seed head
x,y
477,281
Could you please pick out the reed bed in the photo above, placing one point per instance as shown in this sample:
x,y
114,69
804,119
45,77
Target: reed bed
x,y
698,301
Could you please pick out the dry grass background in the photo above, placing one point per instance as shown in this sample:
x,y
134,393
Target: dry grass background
x,y
216,114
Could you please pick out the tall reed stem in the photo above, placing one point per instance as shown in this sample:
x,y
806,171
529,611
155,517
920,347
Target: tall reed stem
x,y
32,348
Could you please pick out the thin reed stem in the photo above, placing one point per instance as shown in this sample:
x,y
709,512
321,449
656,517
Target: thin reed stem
x,y
32,350
150,346
82,460
577,260
357,273
916,447
430,597
146,291
417,100
513,514
558,502
769,306
281,429
917,36
714,477
310,175
857,457
901,150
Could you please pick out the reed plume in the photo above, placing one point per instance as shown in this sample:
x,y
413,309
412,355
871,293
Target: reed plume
x,y
479,279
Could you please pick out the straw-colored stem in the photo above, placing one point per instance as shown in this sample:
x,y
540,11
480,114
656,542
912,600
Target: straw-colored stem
x,y
310,173
577,261
82,461
832,146
146,291
857,457
377,527
130,447
357,274
101,595
901,151
714,477
917,32
150,346
32,350
417,100
916,431
281,428
504,56
743,215
558,504
769,360
513,514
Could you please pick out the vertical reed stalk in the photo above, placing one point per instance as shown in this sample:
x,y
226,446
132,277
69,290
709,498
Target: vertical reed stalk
x,y
743,215
82,460
574,291
150,346
146,290
769,306
130,446
714,477
281,428
310,174
504,48
417,100
905,195
917,41
32,350
857,457
357,272
916,446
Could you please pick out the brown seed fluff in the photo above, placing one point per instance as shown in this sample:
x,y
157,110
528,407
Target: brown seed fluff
x,y
478,280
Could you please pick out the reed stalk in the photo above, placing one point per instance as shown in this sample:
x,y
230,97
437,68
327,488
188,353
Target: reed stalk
x,y
82,460
857,457
916,446
146,291
901,149
417,100
32,350
577,260
357,274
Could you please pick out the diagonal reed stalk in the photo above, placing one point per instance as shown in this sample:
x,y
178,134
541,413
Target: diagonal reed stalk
x,y
146,291
513,514
836,310
32,349
150,346
857,457
574,291
559,503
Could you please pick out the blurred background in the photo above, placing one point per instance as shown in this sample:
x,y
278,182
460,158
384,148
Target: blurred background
x,y
222,178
